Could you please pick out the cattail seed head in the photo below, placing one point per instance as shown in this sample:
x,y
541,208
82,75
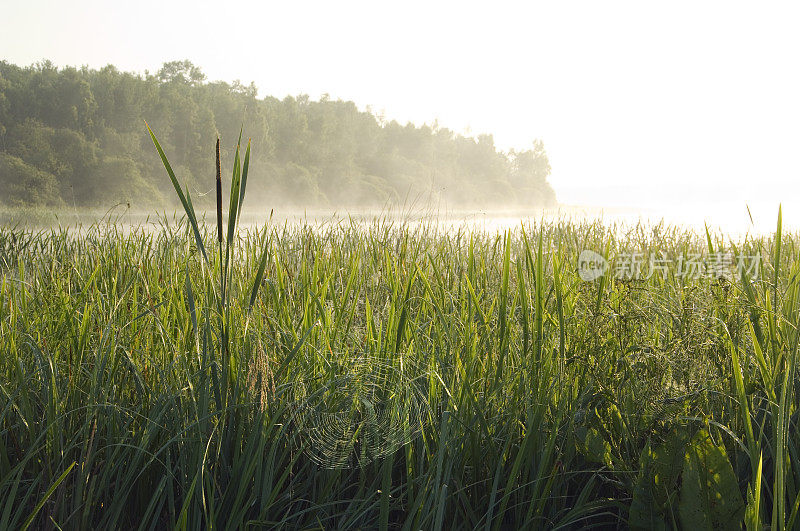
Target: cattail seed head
x,y
219,195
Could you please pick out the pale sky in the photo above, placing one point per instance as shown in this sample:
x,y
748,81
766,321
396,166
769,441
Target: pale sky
x,y
673,105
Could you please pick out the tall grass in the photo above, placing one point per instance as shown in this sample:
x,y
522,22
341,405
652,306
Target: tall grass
x,y
191,377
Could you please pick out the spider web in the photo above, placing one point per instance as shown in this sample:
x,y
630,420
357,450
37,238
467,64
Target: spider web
x,y
360,409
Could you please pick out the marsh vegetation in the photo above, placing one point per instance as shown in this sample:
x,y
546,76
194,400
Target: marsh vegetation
x,y
388,376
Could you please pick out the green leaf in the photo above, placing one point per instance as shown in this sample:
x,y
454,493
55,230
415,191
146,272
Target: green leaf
x,y
593,446
245,168
710,497
185,199
752,518
234,206
262,265
46,496
654,491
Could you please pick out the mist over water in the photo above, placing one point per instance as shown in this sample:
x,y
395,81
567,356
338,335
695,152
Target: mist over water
x,y
722,219
734,220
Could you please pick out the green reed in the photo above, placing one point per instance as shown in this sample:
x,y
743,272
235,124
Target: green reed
x,y
150,380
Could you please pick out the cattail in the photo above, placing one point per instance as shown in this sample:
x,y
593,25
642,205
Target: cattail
x,y
219,195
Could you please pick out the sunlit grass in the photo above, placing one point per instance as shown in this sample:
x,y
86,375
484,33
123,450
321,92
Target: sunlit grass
x,y
179,377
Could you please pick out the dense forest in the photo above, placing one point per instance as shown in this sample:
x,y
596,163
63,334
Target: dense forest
x,y
76,137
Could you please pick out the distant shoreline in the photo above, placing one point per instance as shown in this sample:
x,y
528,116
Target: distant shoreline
x,y
728,222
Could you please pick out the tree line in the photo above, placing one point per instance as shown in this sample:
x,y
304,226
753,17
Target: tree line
x,y
76,136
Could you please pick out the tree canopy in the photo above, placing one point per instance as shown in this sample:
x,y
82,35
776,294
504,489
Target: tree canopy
x,y
76,136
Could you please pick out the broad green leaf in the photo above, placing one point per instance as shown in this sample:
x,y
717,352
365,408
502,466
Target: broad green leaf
x,y
654,493
710,497
594,447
